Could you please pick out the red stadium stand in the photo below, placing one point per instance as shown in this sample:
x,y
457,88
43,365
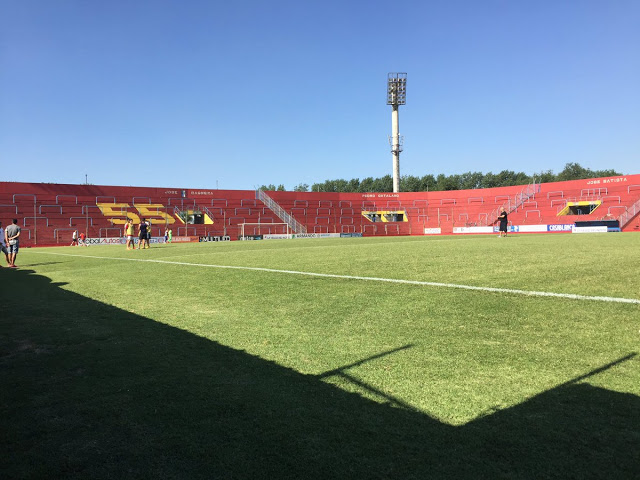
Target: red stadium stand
x,y
49,213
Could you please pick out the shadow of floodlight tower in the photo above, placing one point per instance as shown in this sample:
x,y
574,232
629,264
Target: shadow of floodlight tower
x,y
341,372
396,95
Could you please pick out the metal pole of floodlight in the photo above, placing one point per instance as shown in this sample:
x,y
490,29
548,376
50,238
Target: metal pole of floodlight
x,y
396,96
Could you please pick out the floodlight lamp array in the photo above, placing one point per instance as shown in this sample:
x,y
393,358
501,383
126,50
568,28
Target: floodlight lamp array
x,y
397,89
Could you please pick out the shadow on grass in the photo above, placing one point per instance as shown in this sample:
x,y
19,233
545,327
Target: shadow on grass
x,y
38,264
92,391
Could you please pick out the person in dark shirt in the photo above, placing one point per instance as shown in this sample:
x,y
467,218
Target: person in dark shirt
x,y
503,222
142,234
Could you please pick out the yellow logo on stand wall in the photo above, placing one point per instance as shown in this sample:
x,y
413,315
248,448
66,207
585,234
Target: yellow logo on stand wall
x,y
385,215
118,213
569,208
188,213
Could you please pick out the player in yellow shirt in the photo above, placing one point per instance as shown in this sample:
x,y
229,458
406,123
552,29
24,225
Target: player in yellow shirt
x,y
129,232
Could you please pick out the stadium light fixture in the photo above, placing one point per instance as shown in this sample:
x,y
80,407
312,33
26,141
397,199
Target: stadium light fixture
x,y
396,96
397,89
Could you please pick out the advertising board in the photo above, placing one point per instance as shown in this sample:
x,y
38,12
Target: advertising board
x,y
277,236
220,238
118,240
529,228
185,239
473,230
318,235
602,229
565,227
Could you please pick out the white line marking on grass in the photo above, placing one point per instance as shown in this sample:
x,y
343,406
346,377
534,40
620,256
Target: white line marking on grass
x,y
529,293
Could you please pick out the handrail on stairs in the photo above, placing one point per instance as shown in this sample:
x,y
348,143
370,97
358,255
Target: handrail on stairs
x,y
283,215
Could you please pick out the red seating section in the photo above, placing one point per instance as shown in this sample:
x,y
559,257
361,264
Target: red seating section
x,y
322,212
49,213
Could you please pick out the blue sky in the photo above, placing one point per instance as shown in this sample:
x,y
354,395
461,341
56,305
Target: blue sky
x,y
206,94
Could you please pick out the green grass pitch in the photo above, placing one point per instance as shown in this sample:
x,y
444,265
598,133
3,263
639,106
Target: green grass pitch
x,y
163,363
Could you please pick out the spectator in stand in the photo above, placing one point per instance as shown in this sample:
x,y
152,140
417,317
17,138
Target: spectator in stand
x,y
74,239
129,233
12,238
3,245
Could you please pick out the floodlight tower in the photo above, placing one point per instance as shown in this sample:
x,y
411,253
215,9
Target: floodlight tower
x,y
396,96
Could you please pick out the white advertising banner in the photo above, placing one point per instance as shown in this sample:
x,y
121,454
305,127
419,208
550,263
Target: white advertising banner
x,y
473,230
118,240
105,241
516,229
602,229
560,227
532,228
277,236
432,231
315,235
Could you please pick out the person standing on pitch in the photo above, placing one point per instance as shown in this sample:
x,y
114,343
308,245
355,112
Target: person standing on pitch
x,y
3,245
142,234
129,233
503,222
149,233
74,239
12,238
170,235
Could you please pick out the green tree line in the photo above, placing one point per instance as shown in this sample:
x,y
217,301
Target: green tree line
x,y
463,181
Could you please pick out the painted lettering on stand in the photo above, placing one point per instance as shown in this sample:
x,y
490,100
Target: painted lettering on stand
x,y
119,212
607,180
